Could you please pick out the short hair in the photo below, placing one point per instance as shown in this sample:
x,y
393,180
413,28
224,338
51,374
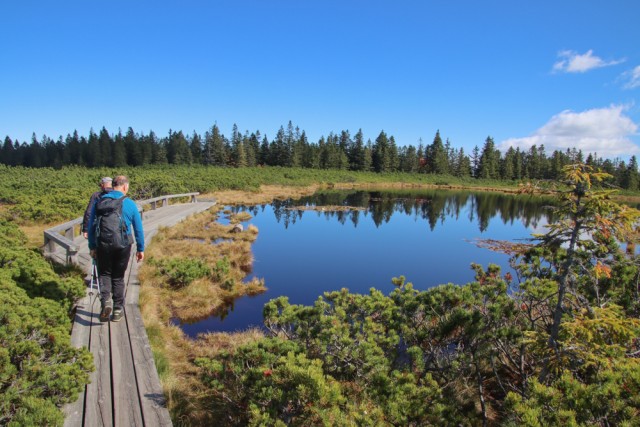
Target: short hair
x,y
120,180
106,180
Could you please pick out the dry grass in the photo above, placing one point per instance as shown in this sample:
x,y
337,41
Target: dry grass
x,y
35,234
199,237
267,194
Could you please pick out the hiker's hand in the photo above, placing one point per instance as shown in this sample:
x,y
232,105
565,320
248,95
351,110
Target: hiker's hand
x,y
92,252
85,235
140,256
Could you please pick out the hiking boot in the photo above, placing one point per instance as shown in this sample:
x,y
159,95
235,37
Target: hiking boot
x,y
107,306
117,315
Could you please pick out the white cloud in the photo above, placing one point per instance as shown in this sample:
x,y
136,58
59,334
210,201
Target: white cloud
x,y
606,131
573,62
632,78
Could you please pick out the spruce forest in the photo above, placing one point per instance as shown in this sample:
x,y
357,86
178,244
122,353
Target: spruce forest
x,y
291,148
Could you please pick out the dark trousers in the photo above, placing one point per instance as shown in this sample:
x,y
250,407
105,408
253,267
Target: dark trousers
x,y
112,266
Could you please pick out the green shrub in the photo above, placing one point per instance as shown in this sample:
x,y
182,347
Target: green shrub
x,y
39,369
180,272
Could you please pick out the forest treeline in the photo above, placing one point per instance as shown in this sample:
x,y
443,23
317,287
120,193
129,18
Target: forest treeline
x,y
292,148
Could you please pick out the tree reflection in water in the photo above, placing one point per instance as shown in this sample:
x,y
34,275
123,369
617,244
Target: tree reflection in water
x,y
434,206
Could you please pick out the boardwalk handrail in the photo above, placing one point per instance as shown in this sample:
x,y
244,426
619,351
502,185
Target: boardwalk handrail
x,y
62,235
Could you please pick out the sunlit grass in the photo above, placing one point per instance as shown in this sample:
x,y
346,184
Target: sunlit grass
x,y
229,256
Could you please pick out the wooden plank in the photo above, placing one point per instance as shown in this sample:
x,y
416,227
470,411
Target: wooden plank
x,y
125,388
80,335
152,397
126,402
98,402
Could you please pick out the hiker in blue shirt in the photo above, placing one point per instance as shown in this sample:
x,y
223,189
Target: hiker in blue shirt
x,y
113,222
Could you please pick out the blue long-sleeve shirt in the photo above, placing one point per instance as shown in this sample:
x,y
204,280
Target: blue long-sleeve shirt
x,y
131,216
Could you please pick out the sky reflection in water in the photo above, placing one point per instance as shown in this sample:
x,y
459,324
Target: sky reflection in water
x,y
425,236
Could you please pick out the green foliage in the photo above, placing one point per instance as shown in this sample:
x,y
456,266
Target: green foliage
x,y
481,353
39,369
30,271
180,272
69,189
271,382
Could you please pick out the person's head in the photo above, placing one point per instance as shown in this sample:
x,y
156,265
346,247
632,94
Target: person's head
x,y
105,182
121,183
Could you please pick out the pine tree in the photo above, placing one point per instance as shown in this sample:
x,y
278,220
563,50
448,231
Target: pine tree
x,y
7,153
381,156
119,151
239,154
436,156
394,159
105,144
508,164
158,150
489,163
215,149
265,152
475,162
178,151
631,178
357,152
195,146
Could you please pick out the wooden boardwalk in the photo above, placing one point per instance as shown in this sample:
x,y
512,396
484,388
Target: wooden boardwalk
x,y
125,389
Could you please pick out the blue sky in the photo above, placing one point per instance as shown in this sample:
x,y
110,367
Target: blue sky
x,y
558,73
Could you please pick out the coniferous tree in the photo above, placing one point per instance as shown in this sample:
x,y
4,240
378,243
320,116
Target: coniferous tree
x,y
368,156
631,179
74,148
119,151
394,159
133,147
33,157
310,155
195,146
7,154
300,148
463,165
178,151
265,151
357,152
147,149
507,170
215,149
489,165
239,155
381,156
436,156
105,144
252,148
475,162
159,150
409,159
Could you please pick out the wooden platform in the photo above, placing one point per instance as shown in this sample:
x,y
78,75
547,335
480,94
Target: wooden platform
x,y
125,389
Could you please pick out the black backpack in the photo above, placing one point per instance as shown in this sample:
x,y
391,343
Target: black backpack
x,y
111,230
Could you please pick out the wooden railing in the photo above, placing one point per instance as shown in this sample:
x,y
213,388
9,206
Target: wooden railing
x,y
62,235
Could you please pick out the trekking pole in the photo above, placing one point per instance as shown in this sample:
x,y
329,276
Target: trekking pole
x,y
94,278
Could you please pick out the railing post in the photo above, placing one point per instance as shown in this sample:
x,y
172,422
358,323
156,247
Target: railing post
x,y
69,233
193,198
49,245
153,205
165,202
72,255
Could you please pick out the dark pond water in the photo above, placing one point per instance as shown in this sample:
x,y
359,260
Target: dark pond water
x,y
427,236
